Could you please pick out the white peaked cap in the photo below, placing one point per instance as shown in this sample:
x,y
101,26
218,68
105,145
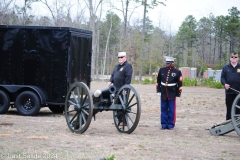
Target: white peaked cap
x,y
169,59
121,54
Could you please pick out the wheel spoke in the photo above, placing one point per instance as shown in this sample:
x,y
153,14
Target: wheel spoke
x,y
238,124
80,121
132,105
78,94
85,112
73,95
81,96
84,100
71,111
131,99
73,118
132,112
83,117
71,102
127,91
237,106
124,96
121,100
127,123
130,118
237,115
85,106
77,125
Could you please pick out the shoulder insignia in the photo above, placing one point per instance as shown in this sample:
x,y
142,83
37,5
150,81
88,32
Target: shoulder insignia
x,y
180,79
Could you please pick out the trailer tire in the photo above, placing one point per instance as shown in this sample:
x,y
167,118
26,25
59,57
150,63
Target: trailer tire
x,y
4,102
56,109
27,103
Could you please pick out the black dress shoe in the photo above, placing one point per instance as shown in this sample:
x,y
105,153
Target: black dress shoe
x,y
162,128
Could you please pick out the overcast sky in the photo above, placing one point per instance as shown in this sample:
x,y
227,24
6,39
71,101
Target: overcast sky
x,y
170,17
175,11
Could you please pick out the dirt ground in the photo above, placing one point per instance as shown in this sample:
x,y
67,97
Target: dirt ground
x,y
47,135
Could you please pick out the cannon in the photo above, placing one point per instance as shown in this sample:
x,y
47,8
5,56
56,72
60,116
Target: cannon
x,y
229,125
81,106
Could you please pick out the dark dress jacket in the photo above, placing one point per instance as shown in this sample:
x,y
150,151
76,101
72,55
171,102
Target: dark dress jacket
x,y
169,81
231,75
121,75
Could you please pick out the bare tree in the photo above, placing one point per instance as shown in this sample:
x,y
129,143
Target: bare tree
x,y
93,8
106,47
4,10
60,11
24,11
125,12
80,18
146,5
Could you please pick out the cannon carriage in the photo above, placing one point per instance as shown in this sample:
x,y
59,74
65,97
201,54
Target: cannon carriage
x,y
81,106
229,125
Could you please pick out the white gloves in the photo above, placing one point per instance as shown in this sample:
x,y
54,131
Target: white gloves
x,y
159,93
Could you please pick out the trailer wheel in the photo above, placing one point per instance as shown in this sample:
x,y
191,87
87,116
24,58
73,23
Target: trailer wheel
x,y
4,102
56,108
27,103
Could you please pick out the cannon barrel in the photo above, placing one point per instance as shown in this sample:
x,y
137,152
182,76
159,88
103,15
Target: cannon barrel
x,y
105,92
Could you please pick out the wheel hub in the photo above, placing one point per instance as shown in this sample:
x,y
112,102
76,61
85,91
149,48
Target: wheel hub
x,y
77,107
28,104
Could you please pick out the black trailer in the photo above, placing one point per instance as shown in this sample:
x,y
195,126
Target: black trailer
x,y
39,64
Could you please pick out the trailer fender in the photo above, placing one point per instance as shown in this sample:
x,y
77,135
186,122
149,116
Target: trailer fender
x,y
21,88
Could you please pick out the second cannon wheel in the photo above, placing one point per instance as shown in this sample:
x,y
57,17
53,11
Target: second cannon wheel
x,y
235,115
126,119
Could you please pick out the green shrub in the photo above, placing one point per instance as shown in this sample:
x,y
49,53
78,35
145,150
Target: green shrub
x,y
134,81
217,85
206,82
154,80
146,81
210,82
111,157
189,82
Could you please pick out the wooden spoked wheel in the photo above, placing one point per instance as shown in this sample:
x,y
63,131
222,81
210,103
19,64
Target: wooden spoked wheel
x,y
235,115
78,108
126,119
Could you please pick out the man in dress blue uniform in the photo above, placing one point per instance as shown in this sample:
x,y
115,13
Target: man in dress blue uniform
x,y
169,86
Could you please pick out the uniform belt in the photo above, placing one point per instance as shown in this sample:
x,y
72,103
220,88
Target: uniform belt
x,y
168,84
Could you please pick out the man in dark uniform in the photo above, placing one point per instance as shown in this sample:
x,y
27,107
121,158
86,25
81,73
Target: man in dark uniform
x,y
169,86
230,78
121,75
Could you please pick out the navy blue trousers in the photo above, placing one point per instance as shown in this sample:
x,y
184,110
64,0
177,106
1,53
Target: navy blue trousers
x,y
168,113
